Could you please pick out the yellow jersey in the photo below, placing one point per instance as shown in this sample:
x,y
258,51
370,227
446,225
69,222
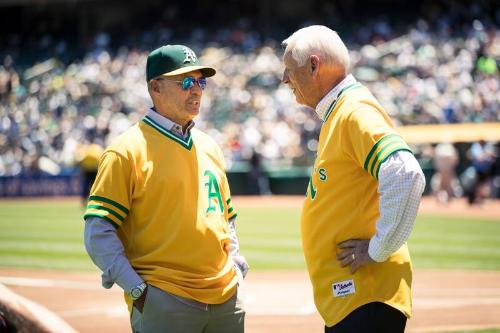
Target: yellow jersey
x,y
342,203
88,156
169,199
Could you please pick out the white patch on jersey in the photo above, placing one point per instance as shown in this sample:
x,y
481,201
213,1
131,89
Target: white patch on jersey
x,y
343,288
190,56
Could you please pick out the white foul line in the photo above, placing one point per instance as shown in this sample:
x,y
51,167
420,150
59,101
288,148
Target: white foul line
x,y
52,283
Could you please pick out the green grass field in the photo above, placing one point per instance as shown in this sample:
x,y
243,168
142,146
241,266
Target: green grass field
x,y
49,234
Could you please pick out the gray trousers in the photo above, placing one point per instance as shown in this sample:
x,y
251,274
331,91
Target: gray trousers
x,y
165,313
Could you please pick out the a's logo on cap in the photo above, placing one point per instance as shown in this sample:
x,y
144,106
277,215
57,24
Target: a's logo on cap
x,y
190,56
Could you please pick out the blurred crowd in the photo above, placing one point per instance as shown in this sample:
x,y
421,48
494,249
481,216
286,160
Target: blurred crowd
x,y
422,73
478,179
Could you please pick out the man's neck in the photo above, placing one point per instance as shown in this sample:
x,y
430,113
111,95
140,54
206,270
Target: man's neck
x,y
182,126
335,88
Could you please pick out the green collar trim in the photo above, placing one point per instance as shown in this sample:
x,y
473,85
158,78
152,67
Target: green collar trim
x,y
342,92
186,143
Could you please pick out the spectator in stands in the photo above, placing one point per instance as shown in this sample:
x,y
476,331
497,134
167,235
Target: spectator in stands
x,y
440,69
87,157
444,183
258,181
496,173
482,156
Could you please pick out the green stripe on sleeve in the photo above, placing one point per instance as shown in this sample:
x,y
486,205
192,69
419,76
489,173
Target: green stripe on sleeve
x,y
385,158
230,210
228,201
375,147
109,210
113,223
383,149
109,201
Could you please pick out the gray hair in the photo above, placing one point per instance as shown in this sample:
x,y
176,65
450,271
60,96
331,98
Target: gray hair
x,y
320,40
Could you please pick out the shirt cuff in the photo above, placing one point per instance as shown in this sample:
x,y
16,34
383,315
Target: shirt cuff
x,y
376,252
241,264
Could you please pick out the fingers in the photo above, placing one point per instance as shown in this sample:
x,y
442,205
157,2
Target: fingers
x,y
353,254
347,256
351,260
344,254
354,266
346,261
351,243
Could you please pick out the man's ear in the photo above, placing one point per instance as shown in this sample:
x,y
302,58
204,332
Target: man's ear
x,y
314,62
155,86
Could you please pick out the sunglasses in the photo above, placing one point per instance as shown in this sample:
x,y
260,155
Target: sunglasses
x,y
189,81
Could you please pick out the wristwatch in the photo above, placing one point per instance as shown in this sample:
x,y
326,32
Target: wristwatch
x,y
137,291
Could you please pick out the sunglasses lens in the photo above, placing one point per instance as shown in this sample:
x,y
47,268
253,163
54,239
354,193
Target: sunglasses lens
x,y
202,82
187,83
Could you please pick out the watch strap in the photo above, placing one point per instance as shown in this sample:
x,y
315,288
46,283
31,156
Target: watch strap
x,y
138,290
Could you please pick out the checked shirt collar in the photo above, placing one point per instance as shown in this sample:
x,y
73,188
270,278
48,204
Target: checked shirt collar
x,y
332,95
169,124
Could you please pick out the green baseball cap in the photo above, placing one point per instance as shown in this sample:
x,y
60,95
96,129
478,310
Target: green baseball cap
x,y
170,60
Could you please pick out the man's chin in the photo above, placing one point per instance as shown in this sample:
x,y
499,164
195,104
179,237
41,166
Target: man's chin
x,y
194,111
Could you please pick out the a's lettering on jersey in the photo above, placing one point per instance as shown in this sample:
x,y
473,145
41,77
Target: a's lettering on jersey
x,y
190,55
214,195
322,175
343,288
311,189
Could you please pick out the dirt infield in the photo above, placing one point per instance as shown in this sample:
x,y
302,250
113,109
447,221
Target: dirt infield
x,y
276,302
281,302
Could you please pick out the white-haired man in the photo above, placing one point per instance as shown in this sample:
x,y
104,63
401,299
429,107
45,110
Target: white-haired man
x,y
363,193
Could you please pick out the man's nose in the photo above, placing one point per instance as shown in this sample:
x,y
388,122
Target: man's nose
x,y
195,89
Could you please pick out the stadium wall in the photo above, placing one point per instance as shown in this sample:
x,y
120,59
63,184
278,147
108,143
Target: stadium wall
x,y
40,185
70,185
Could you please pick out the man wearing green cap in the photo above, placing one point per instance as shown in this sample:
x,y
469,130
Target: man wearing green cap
x,y
159,220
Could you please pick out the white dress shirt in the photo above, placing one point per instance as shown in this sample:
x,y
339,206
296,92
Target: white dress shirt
x,y
401,183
